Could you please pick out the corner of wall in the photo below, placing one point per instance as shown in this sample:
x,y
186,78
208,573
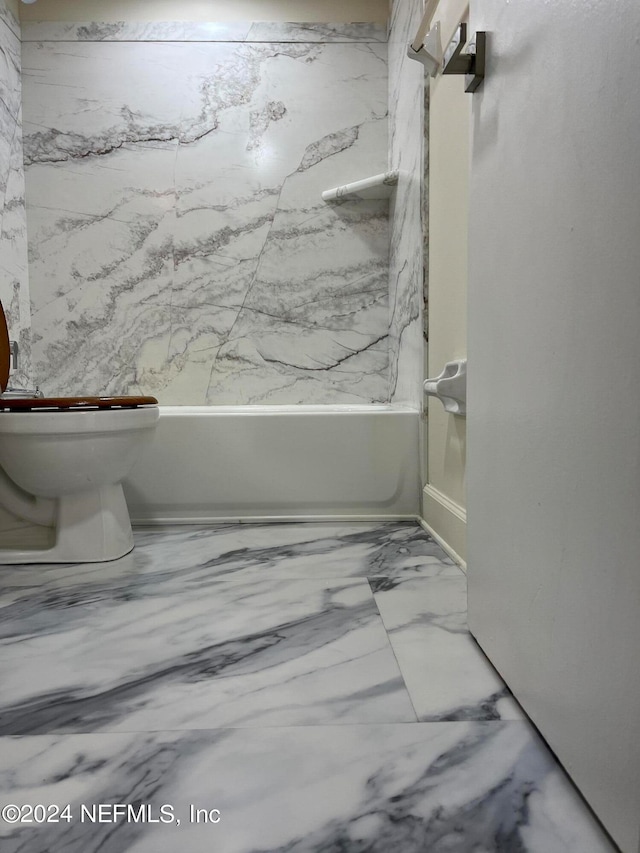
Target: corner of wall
x,y
406,265
447,523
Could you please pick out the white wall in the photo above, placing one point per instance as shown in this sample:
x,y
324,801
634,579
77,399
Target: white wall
x,y
444,493
205,10
554,366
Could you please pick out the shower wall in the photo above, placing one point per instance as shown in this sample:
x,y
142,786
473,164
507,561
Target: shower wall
x,y
406,265
178,244
14,283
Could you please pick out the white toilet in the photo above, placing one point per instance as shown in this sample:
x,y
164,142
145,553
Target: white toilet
x,y
62,462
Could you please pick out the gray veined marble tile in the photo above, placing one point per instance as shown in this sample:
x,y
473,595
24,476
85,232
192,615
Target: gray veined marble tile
x,y
406,273
10,88
300,550
446,673
121,652
138,31
138,657
317,32
436,787
188,239
175,558
14,285
231,625
193,31
9,20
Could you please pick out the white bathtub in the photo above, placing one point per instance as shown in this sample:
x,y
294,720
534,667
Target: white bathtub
x,y
278,463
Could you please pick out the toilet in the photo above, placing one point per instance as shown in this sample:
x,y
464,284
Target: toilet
x,y
62,462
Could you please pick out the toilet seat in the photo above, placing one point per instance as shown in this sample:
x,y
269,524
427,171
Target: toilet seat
x,y
55,404
65,404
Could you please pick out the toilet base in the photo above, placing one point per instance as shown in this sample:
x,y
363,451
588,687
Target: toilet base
x,y
91,527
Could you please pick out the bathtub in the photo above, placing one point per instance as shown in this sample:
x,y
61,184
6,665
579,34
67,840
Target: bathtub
x,y
278,463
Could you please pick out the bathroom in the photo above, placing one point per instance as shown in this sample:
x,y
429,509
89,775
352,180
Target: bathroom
x,y
164,233
158,269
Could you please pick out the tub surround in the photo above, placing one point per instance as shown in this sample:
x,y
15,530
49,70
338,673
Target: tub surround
x,y
406,260
189,241
270,681
14,283
178,242
228,31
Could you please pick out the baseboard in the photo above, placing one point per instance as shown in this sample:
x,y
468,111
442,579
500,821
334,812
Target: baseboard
x,y
446,521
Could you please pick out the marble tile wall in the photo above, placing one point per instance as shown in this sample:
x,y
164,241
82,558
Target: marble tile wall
x,y
14,283
406,271
178,244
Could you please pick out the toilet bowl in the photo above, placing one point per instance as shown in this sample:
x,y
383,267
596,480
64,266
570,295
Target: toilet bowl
x,y
62,462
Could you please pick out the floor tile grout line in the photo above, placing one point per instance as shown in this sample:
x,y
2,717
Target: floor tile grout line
x,y
393,651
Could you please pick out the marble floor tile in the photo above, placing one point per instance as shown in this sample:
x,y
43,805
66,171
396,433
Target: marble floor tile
x,y
129,655
457,787
446,673
272,672
296,550
201,554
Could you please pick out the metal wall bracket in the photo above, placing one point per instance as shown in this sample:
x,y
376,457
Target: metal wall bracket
x,y
471,63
